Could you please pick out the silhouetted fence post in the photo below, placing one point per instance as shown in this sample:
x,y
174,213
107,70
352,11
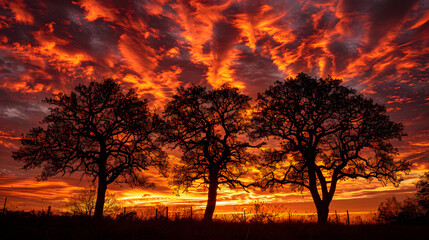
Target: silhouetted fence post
x,y
125,211
191,212
166,212
4,206
156,213
348,218
244,215
49,211
336,216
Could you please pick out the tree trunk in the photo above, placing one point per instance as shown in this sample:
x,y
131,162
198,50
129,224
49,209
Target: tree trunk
x,y
322,212
101,194
211,202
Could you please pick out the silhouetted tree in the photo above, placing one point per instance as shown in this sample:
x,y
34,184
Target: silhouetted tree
x,y
422,195
327,132
207,126
98,130
82,202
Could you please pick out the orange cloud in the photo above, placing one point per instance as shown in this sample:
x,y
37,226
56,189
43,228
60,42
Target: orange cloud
x,y
95,10
21,14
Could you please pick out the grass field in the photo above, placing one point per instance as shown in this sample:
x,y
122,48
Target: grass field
x,y
18,226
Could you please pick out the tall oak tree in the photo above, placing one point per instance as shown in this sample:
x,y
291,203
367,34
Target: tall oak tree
x,y
209,128
326,133
98,130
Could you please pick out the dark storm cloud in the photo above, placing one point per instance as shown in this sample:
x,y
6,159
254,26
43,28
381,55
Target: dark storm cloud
x,y
386,15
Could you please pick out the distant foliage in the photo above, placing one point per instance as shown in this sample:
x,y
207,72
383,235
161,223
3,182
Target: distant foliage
x,y
262,213
127,216
413,210
82,202
422,196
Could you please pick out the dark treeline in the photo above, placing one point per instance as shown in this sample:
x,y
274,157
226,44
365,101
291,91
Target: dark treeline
x,y
314,133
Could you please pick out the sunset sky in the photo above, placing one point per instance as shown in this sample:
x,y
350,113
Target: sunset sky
x,y
379,47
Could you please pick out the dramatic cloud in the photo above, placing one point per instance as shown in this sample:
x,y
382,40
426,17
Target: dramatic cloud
x,y
378,47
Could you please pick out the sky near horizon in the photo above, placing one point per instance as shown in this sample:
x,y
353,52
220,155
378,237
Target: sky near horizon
x,y
379,47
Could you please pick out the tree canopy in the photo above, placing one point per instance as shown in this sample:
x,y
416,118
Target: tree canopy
x,y
206,126
326,133
98,130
